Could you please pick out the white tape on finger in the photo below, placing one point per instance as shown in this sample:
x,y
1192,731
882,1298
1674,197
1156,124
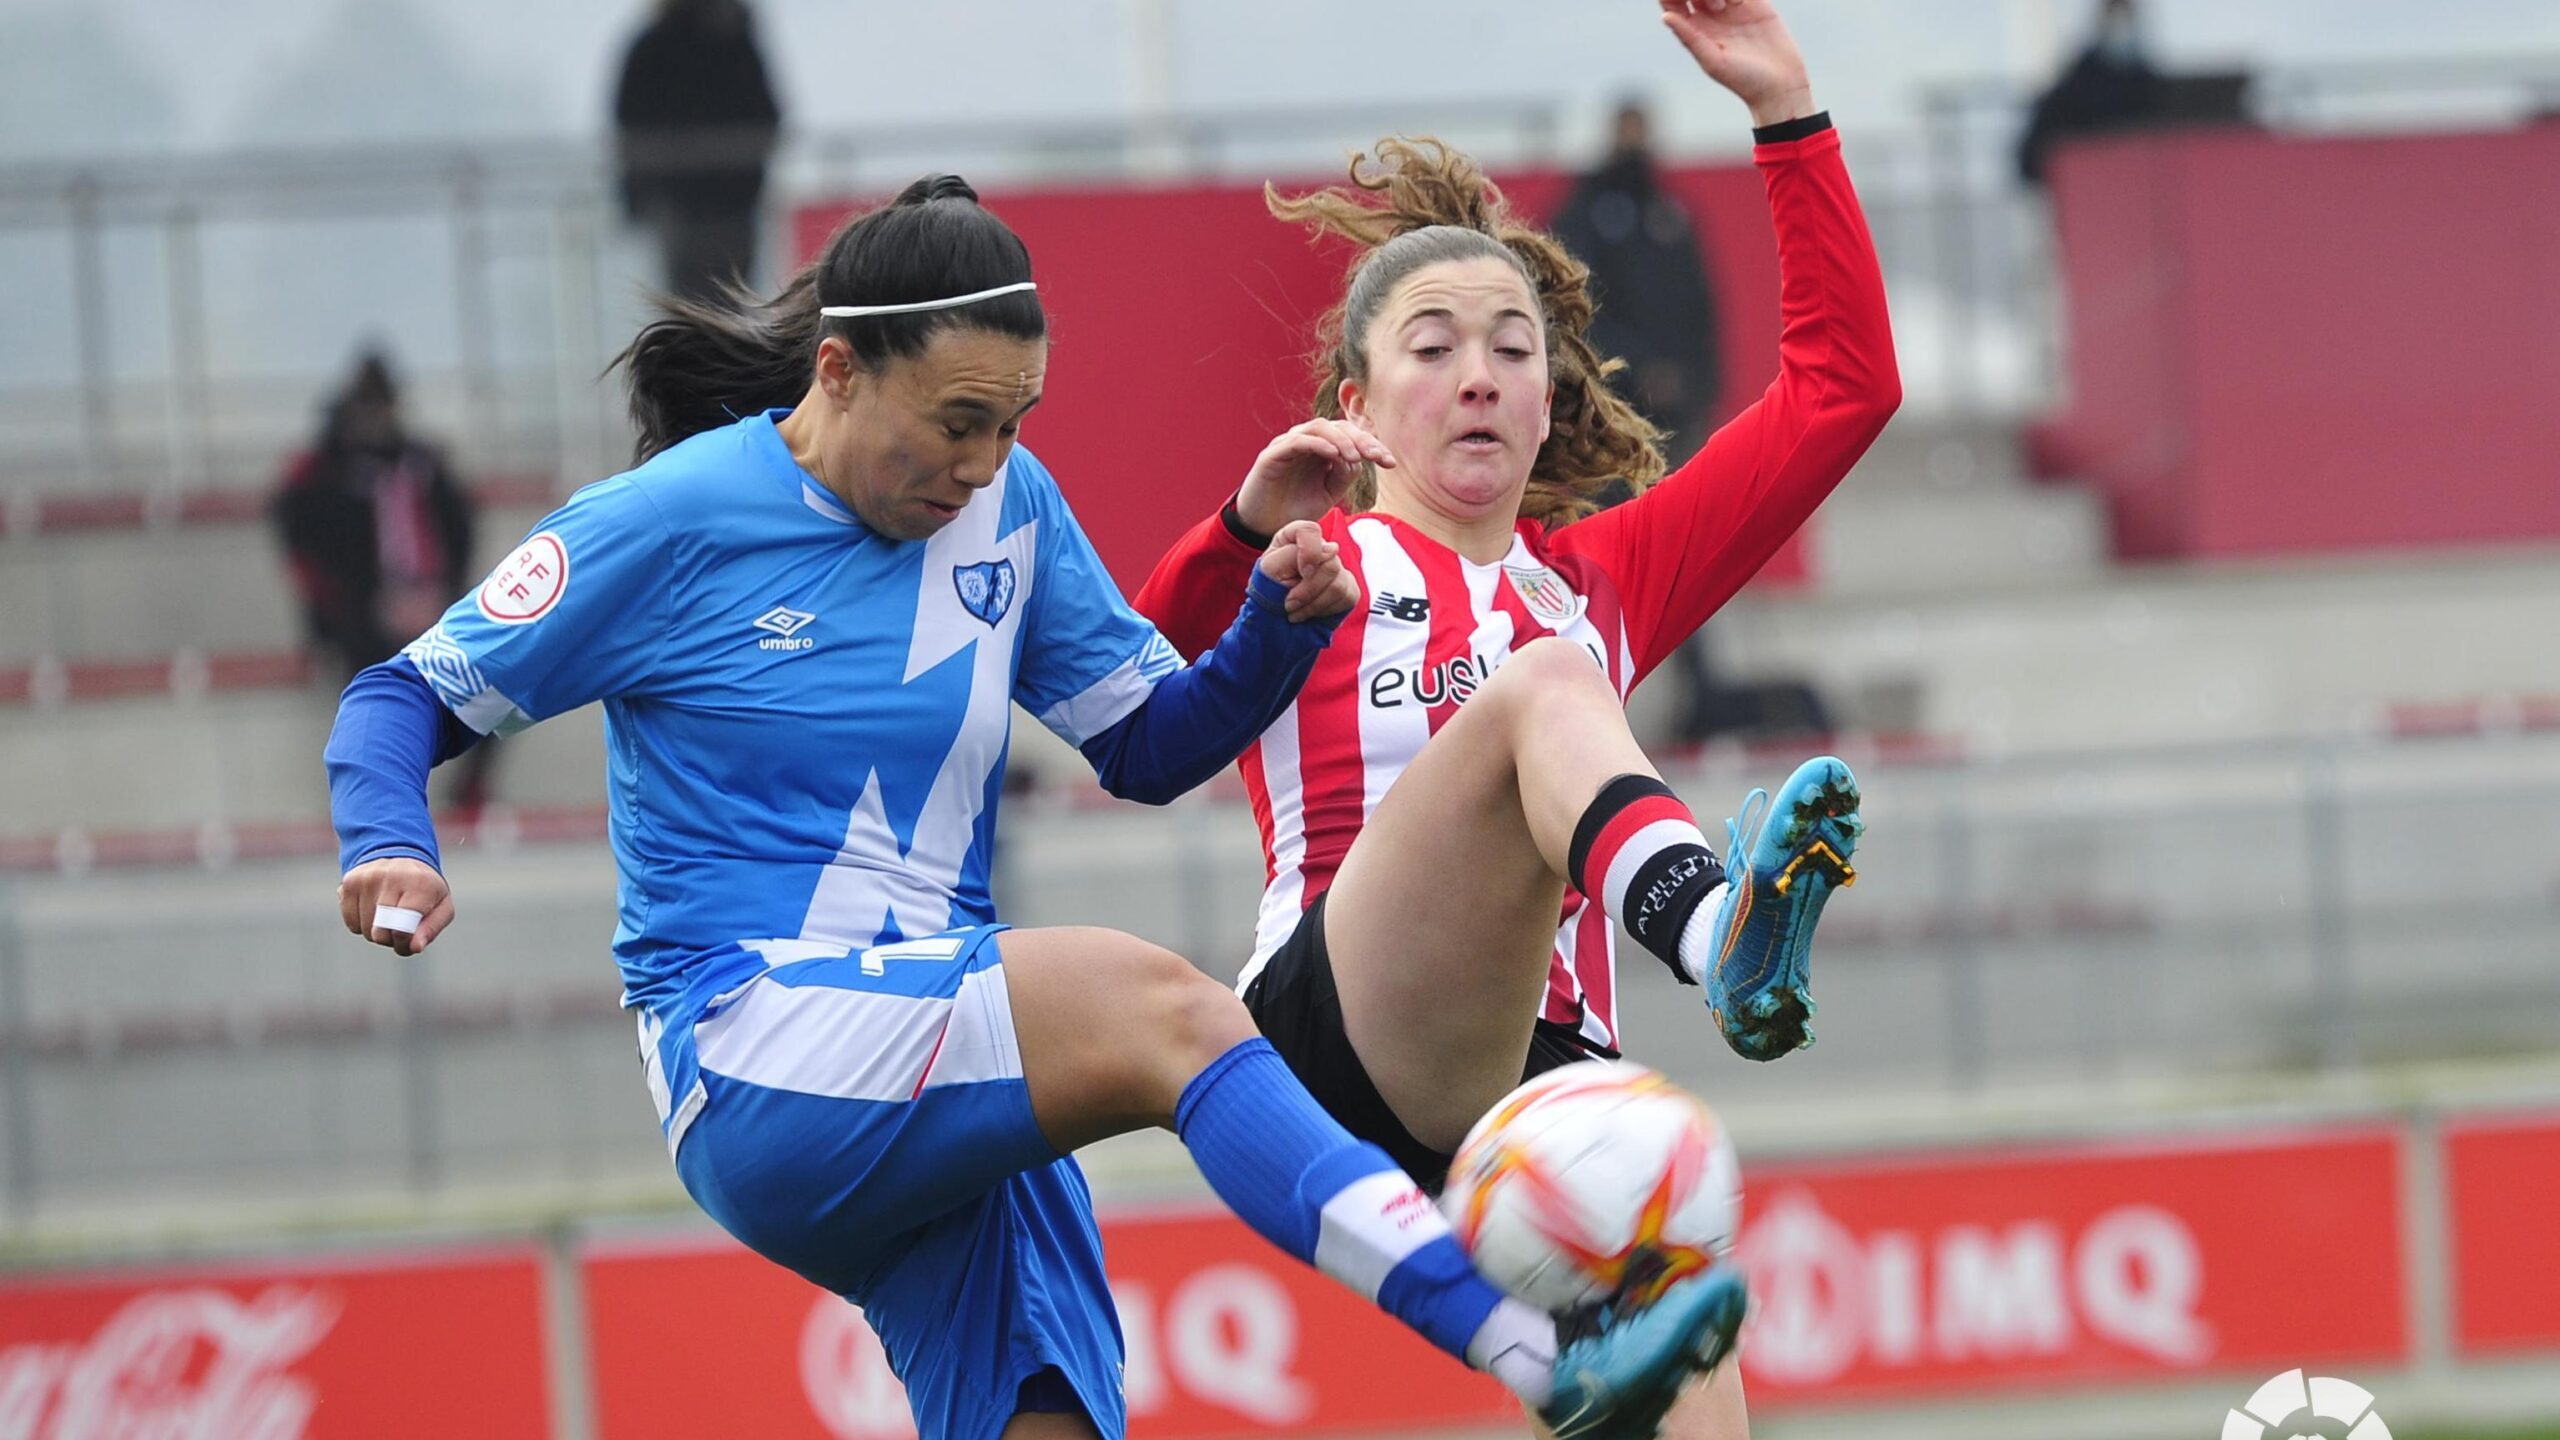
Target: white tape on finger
x,y
397,917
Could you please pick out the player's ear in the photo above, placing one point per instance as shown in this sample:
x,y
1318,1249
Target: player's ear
x,y
1354,403
839,373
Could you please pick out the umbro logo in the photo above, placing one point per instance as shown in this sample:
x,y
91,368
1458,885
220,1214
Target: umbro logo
x,y
786,625
1411,609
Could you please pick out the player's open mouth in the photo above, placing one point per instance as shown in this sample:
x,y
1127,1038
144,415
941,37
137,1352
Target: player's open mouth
x,y
941,510
1479,440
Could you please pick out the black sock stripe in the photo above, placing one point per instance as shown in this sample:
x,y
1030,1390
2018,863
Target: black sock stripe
x,y
1621,792
1659,905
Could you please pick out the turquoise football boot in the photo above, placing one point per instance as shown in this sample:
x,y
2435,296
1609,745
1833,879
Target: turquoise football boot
x,y
1618,1379
1782,861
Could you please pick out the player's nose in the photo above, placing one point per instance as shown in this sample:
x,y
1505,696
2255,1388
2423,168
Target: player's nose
x,y
978,465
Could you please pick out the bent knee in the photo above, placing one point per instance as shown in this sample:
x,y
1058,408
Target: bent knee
x,y
1552,659
1197,1018
1179,1021
1547,669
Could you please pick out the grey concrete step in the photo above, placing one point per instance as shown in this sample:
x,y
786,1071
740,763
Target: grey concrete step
x,y
1890,540
1938,453
2101,923
237,757
2194,653
111,593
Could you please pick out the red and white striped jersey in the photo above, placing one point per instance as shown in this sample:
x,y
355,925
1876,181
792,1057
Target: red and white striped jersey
x,y
1630,584
1432,626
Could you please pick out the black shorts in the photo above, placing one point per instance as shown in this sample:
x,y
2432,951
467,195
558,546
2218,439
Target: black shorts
x,y
1294,1002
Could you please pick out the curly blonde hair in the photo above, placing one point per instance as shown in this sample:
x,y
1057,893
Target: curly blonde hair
x,y
1439,206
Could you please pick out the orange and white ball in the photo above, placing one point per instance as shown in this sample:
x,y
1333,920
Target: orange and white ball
x,y
1599,1180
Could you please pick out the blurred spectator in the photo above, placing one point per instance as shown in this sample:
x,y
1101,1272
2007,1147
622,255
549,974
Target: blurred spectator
x,y
1657,312
2110,85
695,120
378,534
1713,707
1657,308
376,528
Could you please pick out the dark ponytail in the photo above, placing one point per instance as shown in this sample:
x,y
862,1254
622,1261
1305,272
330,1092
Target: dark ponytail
x,y
699,365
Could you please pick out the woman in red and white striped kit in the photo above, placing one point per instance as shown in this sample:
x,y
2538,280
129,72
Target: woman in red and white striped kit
x,y
1457,777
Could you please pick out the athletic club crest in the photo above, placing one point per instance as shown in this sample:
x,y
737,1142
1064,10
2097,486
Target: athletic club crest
x,y
1551,602
986,588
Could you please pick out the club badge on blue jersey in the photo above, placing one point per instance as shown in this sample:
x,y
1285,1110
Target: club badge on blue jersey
x,y
986,588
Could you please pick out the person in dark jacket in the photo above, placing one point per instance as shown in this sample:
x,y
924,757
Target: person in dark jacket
x,y
695,120
2110,85
1657,306
377,535
376,528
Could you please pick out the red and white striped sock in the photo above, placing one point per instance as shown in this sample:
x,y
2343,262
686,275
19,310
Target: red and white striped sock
x,y
1639,852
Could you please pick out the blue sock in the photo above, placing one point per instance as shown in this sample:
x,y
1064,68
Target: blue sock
x,y
1299,1179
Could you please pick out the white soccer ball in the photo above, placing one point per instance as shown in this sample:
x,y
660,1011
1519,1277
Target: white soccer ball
x,y
1599,1180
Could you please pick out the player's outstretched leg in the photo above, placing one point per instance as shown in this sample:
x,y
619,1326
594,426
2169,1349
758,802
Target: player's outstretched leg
x,y
1784,860
1116,1034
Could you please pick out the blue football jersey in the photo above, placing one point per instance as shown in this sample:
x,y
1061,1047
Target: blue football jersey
x,y
806,721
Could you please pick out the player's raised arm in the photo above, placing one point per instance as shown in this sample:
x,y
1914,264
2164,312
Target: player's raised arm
x,y
1745,47
576,611
1682,548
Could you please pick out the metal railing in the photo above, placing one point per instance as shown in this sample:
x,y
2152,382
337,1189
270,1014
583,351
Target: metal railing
x,y
172,322
2199,915
178,320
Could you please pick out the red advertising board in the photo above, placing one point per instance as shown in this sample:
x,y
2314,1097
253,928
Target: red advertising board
x,y
2502,1181
1884,1277
2223,400
438,1345
1227,1337
1877,1277
2055,1266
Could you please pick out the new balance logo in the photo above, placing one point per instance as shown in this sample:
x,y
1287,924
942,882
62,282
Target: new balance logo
x,y
786,624
1411,609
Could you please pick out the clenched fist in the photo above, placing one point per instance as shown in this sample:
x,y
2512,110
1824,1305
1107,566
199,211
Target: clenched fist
x,y
394,883
1311,566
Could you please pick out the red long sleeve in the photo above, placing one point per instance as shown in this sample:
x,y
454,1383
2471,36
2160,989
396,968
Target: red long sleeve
x,y
1681,549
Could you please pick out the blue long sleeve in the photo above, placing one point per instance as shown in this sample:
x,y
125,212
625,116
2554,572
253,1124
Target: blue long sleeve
x,y
391,731
1201,717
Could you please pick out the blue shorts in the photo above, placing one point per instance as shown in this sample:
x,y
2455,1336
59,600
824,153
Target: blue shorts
x,y
862,1120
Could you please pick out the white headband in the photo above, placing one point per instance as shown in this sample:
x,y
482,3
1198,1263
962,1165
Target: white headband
x,y
846,312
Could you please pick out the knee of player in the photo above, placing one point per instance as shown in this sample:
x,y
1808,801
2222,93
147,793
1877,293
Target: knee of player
x,y
1546,668
1178,1020
1206,1020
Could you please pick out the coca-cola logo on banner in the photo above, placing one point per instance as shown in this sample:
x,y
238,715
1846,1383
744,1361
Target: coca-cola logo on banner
x,y
430,1342
185,1364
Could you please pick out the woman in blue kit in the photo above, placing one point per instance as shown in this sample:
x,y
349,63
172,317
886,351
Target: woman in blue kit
x,y
808,628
